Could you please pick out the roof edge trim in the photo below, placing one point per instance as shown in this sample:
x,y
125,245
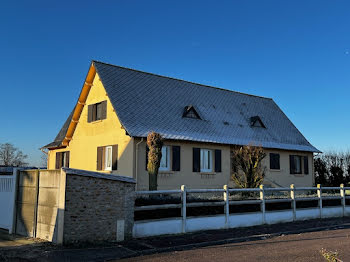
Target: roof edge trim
x,y
80,104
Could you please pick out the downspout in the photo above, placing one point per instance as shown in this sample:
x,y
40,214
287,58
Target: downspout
x,y
136,159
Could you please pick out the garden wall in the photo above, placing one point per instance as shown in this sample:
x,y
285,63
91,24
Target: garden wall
x,y
98,207
71,205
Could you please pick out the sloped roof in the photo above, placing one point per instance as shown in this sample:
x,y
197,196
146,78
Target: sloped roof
x,y
147,102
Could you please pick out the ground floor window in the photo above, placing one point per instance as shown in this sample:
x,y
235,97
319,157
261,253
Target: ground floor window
x,y
295,164
62,159
165,160
107,158
206,160
274,161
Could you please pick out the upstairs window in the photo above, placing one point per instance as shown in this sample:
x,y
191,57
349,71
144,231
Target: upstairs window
x,y
256,121
190,112
97,111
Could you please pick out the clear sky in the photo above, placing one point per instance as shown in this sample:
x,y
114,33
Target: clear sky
x,y
297,52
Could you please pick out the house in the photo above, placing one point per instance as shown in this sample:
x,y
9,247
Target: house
x,y
118,107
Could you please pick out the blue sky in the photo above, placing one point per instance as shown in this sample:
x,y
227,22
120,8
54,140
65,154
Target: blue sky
x,y
297,52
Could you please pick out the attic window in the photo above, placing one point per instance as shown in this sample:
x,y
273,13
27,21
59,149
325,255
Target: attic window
x,y
190,112
256,121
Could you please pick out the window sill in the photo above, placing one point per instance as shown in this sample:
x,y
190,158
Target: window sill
x,y
97,121
298,175
275,170
208,173
166,172
106,171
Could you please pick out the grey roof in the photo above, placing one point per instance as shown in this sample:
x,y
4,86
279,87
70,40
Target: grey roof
x,y
147,102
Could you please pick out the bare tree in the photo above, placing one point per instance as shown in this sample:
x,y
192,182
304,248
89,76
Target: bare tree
x,y
11,156
154,143
332,168
247,169
43,159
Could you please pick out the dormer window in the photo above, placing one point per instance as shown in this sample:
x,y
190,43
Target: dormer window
x,y
190,112
256,121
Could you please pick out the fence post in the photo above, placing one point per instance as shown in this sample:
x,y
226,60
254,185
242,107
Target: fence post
x,y
262,205
292,196
227,205
342,194
183,208
319,195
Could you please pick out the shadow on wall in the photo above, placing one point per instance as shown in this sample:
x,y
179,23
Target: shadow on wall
x,y
25,203
36,205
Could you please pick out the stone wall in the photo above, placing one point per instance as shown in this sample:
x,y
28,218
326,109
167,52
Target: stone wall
x,y
94,202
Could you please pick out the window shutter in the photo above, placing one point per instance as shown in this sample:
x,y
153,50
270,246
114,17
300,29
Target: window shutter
x,y
94,112
291,164
176,158
278,165
104,109
90,107
58,160
114,157
272,164
99,158
147,150
217,160
306,165
274,161
196,160
67,155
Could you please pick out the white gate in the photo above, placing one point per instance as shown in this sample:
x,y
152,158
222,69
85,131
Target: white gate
x,y
7,200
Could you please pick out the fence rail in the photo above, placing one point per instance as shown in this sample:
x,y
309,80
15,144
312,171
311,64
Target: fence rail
x,y
262,199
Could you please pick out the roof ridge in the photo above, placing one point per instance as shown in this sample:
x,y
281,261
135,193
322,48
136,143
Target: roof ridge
x,y
173,78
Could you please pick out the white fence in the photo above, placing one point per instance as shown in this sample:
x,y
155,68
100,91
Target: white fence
x,y
228,220
7,200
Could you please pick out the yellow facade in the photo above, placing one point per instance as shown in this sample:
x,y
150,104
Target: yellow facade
x,y
174,179
88,136
132,153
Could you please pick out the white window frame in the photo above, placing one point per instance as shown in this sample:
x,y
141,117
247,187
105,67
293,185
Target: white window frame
x,y
206,160
166,158
64,159
108,159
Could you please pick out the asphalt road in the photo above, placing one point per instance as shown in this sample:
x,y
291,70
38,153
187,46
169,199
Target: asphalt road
x,y
294,247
